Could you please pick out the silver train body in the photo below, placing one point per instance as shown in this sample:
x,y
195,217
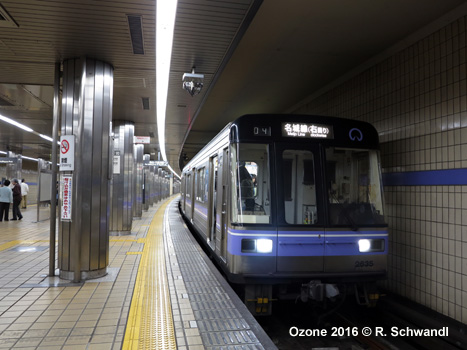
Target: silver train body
x,y
290,206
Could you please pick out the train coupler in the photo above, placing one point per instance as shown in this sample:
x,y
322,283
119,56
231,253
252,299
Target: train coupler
x,y
315,290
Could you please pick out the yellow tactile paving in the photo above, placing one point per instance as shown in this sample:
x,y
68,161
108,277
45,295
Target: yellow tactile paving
x,y
150,323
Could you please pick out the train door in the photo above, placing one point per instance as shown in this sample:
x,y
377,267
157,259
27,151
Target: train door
x,y
192,194
212,211
300,220
223,182
183,190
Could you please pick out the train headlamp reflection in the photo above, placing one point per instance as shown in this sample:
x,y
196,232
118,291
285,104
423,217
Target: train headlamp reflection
x,y
257,245
370,245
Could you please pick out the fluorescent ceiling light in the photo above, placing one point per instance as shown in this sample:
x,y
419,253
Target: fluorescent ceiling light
x,y
165,23
34,159
48,138
19,125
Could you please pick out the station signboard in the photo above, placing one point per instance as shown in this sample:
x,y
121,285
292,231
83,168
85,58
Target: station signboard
x,y
67,153
66,197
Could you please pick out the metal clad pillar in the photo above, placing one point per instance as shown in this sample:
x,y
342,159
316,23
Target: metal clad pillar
x,y
14,170
147,182
86,114
152,169
171,184
138,202
121,216
159,185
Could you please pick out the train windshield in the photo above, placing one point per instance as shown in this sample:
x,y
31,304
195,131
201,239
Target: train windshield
x,y
354,187
250,184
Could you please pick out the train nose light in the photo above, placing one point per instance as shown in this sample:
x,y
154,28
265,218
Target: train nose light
x,y
364,245
264,245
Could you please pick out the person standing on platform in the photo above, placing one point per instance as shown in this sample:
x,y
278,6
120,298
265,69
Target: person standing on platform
x,y
6,197
24,194
16,200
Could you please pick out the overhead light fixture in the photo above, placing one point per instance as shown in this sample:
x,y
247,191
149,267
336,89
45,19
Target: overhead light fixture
x,y
165,23
30,158
192,82
12,122
48,138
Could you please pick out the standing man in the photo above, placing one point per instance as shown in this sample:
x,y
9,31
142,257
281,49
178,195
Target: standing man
x,y
16,200
24,194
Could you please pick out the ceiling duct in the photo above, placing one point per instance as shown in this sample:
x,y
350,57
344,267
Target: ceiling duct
x,y
5,103
136,33
145,101
5,19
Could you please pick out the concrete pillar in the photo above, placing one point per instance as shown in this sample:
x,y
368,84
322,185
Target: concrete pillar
x,y
123,191
83,240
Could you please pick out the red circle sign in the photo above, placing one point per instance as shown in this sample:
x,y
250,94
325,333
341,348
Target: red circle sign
x,y
65,146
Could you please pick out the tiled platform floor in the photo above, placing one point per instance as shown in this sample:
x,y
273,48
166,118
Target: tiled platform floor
x,y
150,298
38,312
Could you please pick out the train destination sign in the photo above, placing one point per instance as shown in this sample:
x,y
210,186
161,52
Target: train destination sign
x,y
307,130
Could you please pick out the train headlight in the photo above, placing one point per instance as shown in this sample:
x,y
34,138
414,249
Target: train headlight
x,y
256,245
371,245
264,245
364,245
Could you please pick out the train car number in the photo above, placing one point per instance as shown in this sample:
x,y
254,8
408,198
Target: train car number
x,y
365,263
262,131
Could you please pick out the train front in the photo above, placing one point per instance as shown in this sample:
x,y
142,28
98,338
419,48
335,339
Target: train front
x,y
306,210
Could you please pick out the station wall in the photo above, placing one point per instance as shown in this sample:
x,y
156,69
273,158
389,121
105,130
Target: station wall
x,y
30,176
417,99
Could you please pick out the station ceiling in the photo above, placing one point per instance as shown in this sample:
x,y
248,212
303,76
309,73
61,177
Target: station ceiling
x,y
257,57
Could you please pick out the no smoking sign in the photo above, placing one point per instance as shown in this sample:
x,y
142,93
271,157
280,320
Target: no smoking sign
x,y
67,153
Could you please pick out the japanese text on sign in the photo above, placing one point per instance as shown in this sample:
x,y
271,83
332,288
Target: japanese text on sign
x,y
67,153
307,130
66,198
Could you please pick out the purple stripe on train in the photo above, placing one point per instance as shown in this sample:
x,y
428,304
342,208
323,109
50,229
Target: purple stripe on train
x,y
306,243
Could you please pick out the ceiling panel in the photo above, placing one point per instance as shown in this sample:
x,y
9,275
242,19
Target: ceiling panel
x,y
257,56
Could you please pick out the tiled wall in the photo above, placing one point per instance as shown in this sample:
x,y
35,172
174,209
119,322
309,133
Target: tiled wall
x,y
417,100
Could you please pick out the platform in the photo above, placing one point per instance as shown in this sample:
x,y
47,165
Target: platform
x,y
161,292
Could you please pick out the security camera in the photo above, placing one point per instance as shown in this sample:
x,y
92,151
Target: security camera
x,y
192,82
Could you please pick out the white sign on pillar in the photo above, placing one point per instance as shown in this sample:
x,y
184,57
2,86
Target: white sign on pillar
x,y
66,197
67,153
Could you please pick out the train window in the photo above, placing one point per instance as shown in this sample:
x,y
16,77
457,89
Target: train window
x,y
250,183
354,187
188,185
201,185
299,187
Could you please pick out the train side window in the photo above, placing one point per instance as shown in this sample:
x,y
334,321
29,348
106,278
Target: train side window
x,y
201,185
250,184
188,185
298,172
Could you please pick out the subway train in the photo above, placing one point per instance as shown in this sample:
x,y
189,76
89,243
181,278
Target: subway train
x,y
291,206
